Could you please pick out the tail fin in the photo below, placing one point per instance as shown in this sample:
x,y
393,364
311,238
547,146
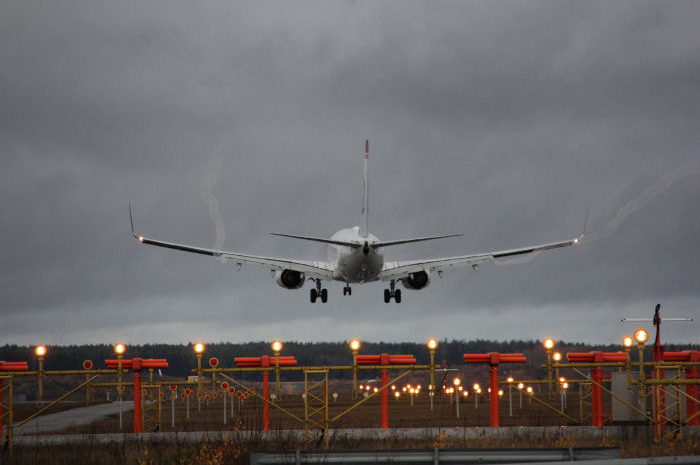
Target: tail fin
x,y
365,199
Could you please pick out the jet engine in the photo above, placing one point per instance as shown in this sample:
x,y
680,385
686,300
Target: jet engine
x,y
417,280
290,279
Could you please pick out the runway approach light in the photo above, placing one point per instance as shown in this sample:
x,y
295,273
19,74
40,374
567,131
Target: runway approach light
x,y
641,335
277,346
40,350
119,348
548,343
355,345
627,341
556,356
199,347
432,343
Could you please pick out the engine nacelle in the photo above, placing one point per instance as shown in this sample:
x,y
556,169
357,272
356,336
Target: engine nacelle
x,y
417,280
290,279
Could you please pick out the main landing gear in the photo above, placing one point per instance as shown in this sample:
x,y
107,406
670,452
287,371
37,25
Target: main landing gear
x,y
392,292
318,292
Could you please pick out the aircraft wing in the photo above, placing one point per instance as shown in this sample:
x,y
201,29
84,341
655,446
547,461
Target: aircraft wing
x,y
311,269
402,269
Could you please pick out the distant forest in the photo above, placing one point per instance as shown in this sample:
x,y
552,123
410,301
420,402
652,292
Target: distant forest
x,y
182,359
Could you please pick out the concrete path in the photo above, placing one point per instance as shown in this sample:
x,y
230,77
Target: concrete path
x,y
73,417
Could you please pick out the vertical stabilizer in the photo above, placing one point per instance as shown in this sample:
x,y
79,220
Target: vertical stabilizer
x,y
365,198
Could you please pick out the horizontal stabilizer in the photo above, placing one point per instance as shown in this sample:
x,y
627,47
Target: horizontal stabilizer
x,y
319,239
408,241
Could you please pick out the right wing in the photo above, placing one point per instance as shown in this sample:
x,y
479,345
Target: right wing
x,y
313,269
402,269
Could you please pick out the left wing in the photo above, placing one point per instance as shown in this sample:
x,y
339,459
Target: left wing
x,y
402,269
311,269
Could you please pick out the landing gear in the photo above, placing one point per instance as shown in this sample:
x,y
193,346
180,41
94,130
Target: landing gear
x,y
347,290
392,292
318,292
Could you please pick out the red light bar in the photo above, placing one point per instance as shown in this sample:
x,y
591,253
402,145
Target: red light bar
x,y
14,366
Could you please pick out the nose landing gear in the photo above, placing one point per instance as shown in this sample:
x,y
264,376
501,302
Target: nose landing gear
x,y
392,292
347,290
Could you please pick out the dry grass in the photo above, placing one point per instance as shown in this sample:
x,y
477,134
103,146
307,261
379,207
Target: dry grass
x,y
235,450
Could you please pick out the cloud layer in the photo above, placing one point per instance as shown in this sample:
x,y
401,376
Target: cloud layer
x,y
503,121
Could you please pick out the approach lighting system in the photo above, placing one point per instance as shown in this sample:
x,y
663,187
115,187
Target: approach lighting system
x,y
277,346
199,348
456,381
432,343
641,335
627,342
556,356
355,345
548,343
40,350
119,348
476,386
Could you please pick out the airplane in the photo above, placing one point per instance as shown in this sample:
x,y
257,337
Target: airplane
x,y
356,257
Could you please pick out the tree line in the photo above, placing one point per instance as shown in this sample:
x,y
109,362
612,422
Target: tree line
x,y
182,358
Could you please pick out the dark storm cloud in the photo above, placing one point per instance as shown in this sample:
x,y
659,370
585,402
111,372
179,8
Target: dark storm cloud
x,y
501,120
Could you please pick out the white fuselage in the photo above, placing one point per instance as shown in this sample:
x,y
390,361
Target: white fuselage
x,y
355,265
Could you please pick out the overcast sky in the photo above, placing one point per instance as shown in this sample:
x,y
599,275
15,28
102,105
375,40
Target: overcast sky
x,y
504,121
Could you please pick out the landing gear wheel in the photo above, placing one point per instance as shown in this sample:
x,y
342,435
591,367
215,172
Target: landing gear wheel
x,y
347,290
392,292
314,295
324,295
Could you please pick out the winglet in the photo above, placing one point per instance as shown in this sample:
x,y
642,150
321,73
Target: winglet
x,y
585,224
131,217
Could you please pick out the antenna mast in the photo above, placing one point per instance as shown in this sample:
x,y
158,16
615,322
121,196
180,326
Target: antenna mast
x,y
656,320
